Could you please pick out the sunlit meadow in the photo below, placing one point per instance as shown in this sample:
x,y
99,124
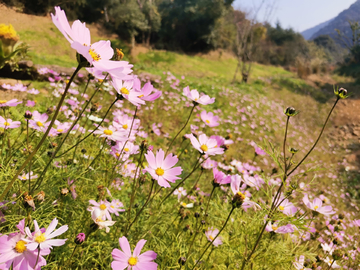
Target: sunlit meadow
x,y
117,171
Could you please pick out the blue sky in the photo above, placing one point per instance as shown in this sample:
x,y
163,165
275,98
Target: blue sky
x,y
298,14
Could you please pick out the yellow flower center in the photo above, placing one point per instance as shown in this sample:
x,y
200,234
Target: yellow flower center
x,y
211,237
159,171
108,132
274,228
117,154
24,177
281,208
316,207
7,124
102,206
98,219
125,126
39,124
60,130
140,96
183,204
126,149
40,238
94,55
207,121
20,246
243,197
132,261
204,147
2,101
124,91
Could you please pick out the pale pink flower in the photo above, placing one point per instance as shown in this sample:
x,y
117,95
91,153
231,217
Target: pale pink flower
x,y
206,145
209,119
44,240
220,177
279,229
111,133
124,259
180,192
160,168
125,88
116,206
287,207
9,103
103,206
8,123
236,180
38,122
195,96
332,263
25,176
211,234
316,205
98,219
148,92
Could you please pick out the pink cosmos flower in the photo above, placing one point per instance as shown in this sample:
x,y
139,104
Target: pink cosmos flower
x,y
127,150
236,180
26,176
209,164
316,205
125,88
206,145
220,177
39,121
9,103
279,229
287,207
194,96
357,222
97,54
44,240
161,169
211,234
126,260
13,251
116,206
146,91
103,206
209,119
111,133
180,192
299,264
30,103
8,123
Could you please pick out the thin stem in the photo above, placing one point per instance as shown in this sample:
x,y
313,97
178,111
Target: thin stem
x,y
193,241
7,189
187,121
207,205
312,148
101,148
331,264
67,150
142,208
284,144
198,260
72,254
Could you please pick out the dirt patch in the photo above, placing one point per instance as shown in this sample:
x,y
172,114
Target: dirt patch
x,y
217,55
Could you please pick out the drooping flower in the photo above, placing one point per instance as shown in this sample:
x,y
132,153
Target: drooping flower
x,y
14,251
209,119
195,96
206,145
161,169
316,205
239,193
44,240
211,234
100,221
125,259
8,123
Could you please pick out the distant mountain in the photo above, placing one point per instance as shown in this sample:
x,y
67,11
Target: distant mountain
x,y
307,34
340,22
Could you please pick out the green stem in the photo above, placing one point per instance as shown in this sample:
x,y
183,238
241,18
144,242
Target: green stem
x,y
8,187
198,260
187,121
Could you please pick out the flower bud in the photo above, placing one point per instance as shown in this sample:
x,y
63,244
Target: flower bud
x,y
119,54
41,196
290,111
28,115
80,238
197,214
341,93
293,150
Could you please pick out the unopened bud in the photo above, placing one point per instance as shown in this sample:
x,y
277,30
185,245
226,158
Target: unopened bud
x,y
28,115
290,111
182,260
119,54
341,93
80,238
238,199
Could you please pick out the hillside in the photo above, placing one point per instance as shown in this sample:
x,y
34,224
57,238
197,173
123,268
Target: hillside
x,y
308,33
341,22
